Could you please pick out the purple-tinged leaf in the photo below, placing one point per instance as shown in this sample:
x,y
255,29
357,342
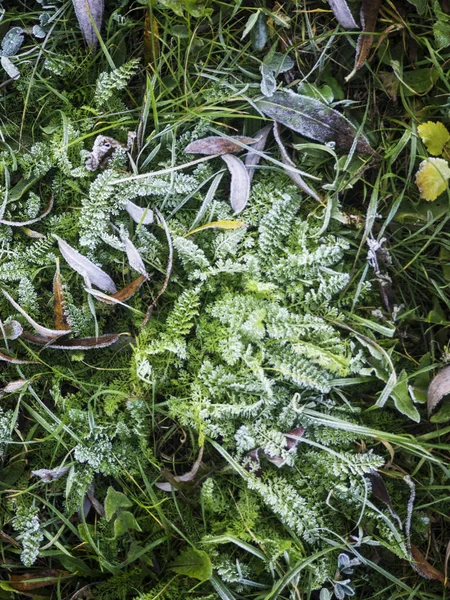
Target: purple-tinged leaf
x,y
343,14
240,183
89,11
44,331
286,159
186,477
144,216
51,474
252,159
89,343
380,492
31,221
438,389
12,330
134,258
311,118
86,268
218,145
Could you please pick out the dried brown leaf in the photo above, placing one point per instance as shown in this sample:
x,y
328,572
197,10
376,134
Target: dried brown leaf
x,y
151,39
313,119
369,16
424,568
343,14
186,477
15,361
31,221
58,303
252,159
438,388
38,579
218,145
45,331
86,268
240,182
130,289
286,159
89,11
89,343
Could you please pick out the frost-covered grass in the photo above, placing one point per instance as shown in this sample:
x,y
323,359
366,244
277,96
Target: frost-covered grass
x,y
247,417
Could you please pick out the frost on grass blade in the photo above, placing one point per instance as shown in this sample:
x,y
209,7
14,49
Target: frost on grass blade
x,y
432,177
90,343
313,119
31,221
85,267
218,145
144,216
252,159
240,183
343,14
45,331
89,11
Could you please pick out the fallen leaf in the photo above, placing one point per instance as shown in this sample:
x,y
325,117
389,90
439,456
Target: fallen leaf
x,y
144,216
343,14
89,13
252,159
85,267
45,331
58,303
134,258
130,289
51,474
15,361
369,16
217,225
12,330
89,343
438,388
434,135
33,581
286,159
31,221
218,145
380,492
13,386
240,182
186,477
311,118
424,568
151,38
432,177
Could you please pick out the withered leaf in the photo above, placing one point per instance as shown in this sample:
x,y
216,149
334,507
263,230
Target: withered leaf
x,y
379,491
134,258
51,474
12,330
138,214
13,386
438,388
240,182
122,295
15,361
31,221
58,303
223,224
45,331
286,159
424,568
252,159
369,16
89,343
88,11
343,14
85,267
218,145
313,119
150,38
33,581
186,477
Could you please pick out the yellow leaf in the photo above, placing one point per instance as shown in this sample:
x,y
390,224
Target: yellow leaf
x,y
431,178
434,136
218,225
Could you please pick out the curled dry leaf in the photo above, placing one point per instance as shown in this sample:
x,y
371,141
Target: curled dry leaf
x,y
252,159
89,12
218,145
313,119
15,361
379,491
369,16
58,303
38,579
45,331
185,478
240,183
423,567
134,258
89,343
12,330
286,159
144,216
343,14
31,221
438,388
85,267
51,474
13,386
